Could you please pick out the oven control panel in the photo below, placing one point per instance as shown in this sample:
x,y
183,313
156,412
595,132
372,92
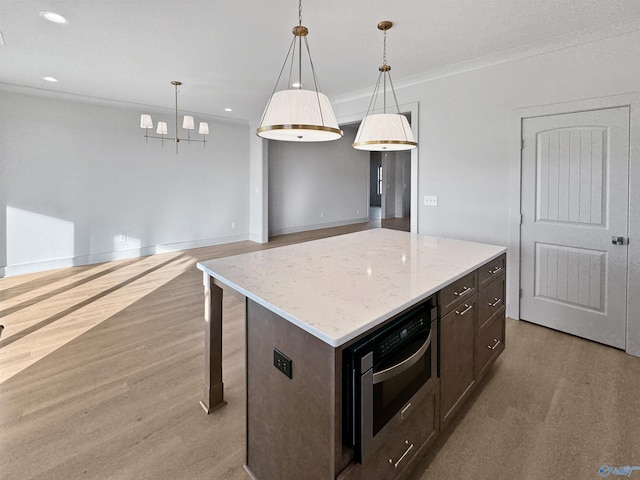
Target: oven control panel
x,y
401,334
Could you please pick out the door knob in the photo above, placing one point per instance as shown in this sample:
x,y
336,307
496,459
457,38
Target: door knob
x,y
618,240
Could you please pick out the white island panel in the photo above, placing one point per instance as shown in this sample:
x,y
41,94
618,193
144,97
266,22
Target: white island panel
x,y
339,287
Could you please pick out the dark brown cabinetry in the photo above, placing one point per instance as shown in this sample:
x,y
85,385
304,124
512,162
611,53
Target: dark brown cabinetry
x,y
457,359
488,272
491,315
460,290
472,328
303,413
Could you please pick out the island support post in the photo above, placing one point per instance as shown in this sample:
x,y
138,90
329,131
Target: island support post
x,y
213,388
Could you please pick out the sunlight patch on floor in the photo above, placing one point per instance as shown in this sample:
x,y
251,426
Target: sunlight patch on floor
x,y
23,352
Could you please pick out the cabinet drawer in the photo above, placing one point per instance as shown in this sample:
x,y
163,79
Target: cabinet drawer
x,y
405,434
491,303
459,291
490,345
491,270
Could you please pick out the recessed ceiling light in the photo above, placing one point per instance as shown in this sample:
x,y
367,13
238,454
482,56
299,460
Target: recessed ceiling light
x,y
228,109
50,79
54,17
296,85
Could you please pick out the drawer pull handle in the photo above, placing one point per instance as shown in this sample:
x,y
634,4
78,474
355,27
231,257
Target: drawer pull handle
x,y
498,342
464,291
496,270
469,307
403,455
496,302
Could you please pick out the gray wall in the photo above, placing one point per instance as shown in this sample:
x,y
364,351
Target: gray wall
x,y
80,185
467,137
316,185
465,127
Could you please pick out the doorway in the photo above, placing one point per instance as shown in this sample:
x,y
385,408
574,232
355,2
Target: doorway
x,y
411,216
574,224
390,190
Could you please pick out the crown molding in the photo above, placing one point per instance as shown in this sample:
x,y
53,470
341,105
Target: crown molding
x,y
535,49
107,102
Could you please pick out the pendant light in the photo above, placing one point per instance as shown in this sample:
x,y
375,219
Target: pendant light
x,y
294,114
384,131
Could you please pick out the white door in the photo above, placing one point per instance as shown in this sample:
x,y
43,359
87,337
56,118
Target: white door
x,y
575,198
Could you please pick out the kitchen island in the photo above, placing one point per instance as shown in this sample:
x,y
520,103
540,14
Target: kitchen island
x,y
306,303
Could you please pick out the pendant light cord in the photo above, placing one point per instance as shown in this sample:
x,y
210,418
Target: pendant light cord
x,y
300,13
300,45
384,49
386,72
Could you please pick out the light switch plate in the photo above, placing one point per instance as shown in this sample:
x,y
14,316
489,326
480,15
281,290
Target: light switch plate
x,y
431,200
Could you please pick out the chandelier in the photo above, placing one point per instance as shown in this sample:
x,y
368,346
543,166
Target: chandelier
x,y
384,131
294,114
187,124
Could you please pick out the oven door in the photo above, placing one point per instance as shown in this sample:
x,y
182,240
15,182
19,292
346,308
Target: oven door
x,y
387,387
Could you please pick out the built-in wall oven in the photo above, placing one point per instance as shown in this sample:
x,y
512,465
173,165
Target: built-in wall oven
x,y
384,370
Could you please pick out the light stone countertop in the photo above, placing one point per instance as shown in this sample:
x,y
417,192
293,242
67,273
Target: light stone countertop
x,y
339,287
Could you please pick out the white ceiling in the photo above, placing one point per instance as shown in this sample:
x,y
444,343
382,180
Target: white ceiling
x,y
228,53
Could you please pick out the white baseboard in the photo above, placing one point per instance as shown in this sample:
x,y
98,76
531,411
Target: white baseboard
x,y
11,270
258,238
317,226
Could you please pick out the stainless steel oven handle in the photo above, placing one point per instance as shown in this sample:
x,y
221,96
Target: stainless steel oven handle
x,y
391,372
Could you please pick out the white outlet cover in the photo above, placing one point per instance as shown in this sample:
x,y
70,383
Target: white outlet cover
x,y
431,200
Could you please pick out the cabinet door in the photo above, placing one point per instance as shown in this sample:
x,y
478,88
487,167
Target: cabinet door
x,y
457,354
491,270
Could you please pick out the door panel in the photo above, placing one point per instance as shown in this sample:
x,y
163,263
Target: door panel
x,y
571,276
570,176
574,199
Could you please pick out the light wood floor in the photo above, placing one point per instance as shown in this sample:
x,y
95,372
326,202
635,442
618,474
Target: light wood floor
x,y
100,377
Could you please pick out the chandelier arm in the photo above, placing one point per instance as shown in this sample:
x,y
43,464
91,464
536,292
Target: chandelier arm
x,y
293,54
394,94
315,79
376,94
164,137
398,108
277,81
371,105
313,68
